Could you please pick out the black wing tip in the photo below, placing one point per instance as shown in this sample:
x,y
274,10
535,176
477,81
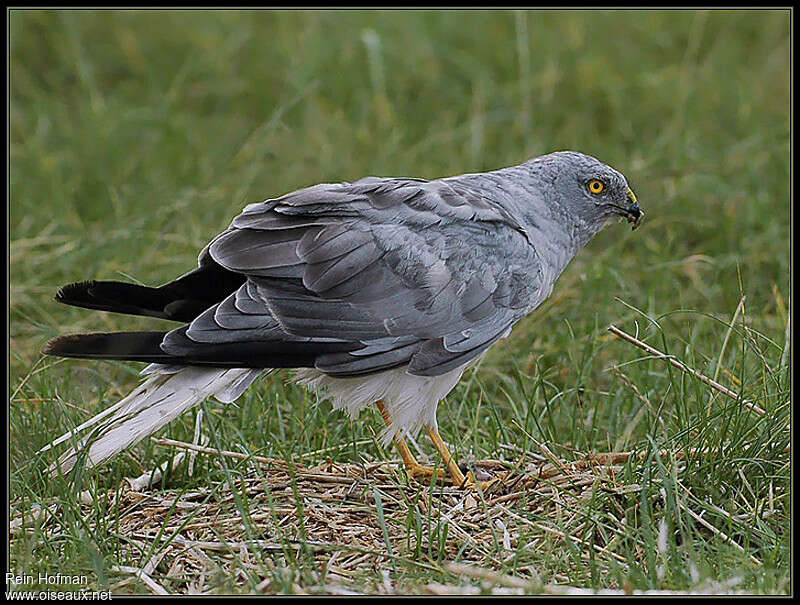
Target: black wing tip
x,y
62,346
50,347
133,346
73,345
75,291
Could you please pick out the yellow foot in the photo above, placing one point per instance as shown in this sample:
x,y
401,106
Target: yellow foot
x,y
490,485
423,473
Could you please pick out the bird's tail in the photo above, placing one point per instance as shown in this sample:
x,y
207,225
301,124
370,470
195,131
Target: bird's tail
x,y
167,392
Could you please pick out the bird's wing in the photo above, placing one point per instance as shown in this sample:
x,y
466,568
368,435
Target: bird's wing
x,y
426,273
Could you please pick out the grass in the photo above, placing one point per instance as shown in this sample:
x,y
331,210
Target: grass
x,y
136,136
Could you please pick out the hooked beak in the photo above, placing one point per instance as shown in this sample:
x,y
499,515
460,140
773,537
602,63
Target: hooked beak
x,y
632,212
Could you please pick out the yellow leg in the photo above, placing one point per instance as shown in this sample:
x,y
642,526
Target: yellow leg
x,y
455,472
414,468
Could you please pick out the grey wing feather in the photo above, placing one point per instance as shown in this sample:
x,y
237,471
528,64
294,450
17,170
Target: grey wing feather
x,y
223,323
320,245
344,364
230,316
251,252
414,271
247,299
433,359
322,276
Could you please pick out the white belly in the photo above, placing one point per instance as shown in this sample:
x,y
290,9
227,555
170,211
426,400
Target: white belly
x,y
411,400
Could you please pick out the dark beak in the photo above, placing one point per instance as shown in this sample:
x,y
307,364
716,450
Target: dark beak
x,y
633,213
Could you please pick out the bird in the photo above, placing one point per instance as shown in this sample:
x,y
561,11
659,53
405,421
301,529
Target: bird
x,y
381,291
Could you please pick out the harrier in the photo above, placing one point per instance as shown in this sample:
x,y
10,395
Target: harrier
x,y
381,291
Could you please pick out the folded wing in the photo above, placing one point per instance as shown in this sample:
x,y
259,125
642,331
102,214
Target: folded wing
x,y
412,271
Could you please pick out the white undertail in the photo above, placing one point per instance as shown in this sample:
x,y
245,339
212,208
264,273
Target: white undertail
x,y
168,391
163,396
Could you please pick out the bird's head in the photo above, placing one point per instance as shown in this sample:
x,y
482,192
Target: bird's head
x,y
592,191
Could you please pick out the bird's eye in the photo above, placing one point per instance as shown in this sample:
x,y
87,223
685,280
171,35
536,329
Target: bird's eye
x,y
596,186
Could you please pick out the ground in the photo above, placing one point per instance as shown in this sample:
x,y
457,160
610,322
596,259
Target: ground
x,y
136,136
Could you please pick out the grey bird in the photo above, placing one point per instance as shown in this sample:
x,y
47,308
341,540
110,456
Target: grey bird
x,y
381,291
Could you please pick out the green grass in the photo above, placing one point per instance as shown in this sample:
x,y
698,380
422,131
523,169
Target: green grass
x,y
137,136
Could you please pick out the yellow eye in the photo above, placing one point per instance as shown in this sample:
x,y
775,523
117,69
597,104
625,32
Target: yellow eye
x,y
596,186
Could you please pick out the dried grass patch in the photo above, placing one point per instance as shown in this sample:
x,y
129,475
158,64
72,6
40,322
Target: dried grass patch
x,y
349,524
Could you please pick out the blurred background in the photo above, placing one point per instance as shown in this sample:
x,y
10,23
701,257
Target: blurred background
x,y
136,136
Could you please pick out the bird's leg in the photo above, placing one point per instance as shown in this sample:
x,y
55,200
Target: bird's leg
x,y
414,468
455,473
441,447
